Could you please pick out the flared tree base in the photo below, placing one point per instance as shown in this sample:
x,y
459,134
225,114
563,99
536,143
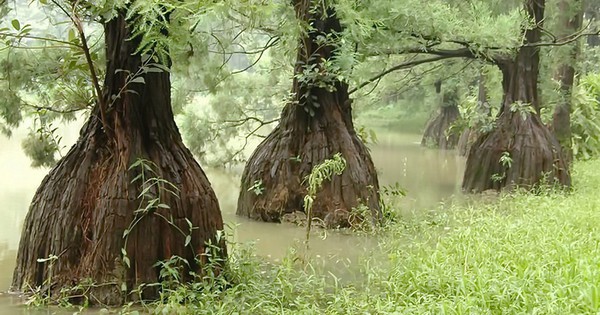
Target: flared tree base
x,y
518,153
273,182
437,133
84,212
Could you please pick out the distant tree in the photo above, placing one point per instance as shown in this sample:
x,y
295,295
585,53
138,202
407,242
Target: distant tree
x,y
520,150
437,132
570,19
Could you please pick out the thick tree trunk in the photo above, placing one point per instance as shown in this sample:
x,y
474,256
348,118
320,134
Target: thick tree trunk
x,y
437,132
313,127
88,200
470,135
520,151
571,17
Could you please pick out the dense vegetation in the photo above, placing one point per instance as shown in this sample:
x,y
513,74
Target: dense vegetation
x,y
513,254
291,91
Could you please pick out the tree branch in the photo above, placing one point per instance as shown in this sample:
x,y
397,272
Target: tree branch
x,y
565,40
52,40
90,62
239,122
54,110
457,54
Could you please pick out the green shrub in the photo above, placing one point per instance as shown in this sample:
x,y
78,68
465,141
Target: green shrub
x,y
585,118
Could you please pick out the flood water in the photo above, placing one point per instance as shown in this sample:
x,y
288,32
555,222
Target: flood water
x,y
429,176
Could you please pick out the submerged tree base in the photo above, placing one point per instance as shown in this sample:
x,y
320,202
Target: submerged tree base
x,y
518,153
97,220
273,182
79,228
315,125
437,133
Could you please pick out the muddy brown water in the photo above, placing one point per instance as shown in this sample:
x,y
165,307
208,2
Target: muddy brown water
x,y
429,176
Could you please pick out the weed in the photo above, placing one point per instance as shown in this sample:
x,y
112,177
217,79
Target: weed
x,y
314,180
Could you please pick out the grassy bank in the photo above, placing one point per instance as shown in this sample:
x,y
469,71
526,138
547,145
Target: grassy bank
x,y
520,254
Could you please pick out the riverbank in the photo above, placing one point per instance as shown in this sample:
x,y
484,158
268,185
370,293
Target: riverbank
x,y
522,253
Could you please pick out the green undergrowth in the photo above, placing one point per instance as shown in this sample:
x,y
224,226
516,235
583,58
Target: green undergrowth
x,y
517,254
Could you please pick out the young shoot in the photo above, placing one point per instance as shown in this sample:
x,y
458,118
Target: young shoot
x,y
319,174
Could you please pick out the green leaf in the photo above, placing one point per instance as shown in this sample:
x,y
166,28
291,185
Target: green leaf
x,y
126,261
71,35
160,66
16,24
188,239
145,58
138,80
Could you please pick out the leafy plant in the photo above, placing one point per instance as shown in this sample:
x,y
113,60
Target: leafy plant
x,y
257,188
523,109
585,118
320,173
475,115
506,161
151,199
517,254
367,135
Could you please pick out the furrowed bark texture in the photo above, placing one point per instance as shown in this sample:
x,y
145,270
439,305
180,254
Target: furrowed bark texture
x,y
313,127
84,205
535,154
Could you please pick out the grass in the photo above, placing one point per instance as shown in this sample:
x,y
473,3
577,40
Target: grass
x,y
519,254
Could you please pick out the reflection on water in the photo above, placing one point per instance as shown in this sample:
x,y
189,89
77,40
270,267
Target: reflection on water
x,y
427,175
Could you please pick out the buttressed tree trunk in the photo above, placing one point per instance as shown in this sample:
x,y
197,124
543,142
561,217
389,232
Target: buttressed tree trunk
x,y
520,151
314,126
571,17
437,132
88,200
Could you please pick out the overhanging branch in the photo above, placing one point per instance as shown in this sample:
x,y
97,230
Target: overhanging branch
x,y
460,53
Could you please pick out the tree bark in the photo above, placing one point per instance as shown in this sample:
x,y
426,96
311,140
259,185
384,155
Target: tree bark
x,y
437,132
88,200
520,151
571,18
314,126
